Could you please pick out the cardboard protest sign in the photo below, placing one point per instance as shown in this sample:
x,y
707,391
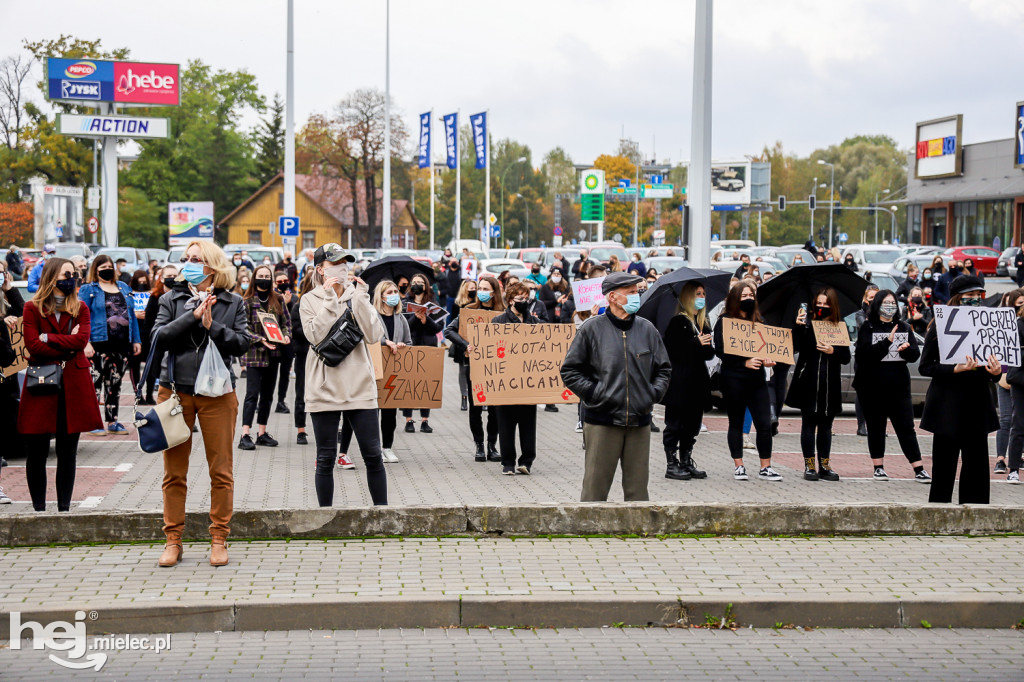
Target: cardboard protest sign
x,y
978,333
377,358
468,267
899,339
139,301
519,364
471,316
587,292
412,377
750,340
21,353
271,330
831,333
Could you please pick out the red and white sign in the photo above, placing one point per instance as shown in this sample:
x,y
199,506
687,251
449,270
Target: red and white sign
x,y
93,225
80,70
146,83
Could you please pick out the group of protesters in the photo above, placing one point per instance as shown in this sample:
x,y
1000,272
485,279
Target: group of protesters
x,y
619,365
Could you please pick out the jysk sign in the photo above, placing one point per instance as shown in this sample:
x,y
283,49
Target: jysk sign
x,y
112,126
939,152
103,81
1018,136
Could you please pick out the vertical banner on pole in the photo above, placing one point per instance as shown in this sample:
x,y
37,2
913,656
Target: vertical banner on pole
x,y
451,133
425,140
478,122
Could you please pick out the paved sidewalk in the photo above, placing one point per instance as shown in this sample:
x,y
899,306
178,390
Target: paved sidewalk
x,y
438,468
566,654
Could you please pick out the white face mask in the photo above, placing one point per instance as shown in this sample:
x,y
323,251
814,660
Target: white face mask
x,y
339,271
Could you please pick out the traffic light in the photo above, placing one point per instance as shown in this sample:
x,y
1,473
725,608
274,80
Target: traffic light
x,y
812,202
782,202
871,210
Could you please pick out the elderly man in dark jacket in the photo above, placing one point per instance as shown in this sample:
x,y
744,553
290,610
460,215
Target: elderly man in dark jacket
x,y
619,368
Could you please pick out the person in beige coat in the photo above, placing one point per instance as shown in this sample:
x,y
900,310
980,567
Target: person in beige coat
x,y
350,386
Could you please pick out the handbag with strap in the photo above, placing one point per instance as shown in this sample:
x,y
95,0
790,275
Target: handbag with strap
x,y
45,379
162,426
343,338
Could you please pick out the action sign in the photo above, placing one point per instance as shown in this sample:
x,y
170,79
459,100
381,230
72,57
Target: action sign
x,y
587,292
750,340
519,364
468,316
831,333
977,333
413,378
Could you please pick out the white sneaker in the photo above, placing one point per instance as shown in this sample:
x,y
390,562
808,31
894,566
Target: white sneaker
x,y
703,427
389,456
344,462
740,474
6,500
1012,477
579,427
749,444
769,474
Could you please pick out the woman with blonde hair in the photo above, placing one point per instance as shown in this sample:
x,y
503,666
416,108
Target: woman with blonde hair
x,y
688,341
197,315
613,264
56,327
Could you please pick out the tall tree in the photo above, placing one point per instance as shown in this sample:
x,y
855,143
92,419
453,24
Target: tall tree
x,y
268,139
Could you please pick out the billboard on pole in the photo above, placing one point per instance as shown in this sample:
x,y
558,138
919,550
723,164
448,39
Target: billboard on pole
x,y
730,183
188,220
105,81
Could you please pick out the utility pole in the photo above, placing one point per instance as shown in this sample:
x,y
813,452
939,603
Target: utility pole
x,y
385,239
289,117
700,138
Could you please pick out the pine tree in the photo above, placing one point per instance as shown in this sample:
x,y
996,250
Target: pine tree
x,y
269,141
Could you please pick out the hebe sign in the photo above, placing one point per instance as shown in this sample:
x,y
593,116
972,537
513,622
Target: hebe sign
x,y
105,81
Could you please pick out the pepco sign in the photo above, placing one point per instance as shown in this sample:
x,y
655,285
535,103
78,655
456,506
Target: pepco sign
x,y
106,81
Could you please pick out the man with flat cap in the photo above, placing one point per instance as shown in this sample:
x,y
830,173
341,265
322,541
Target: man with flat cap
x,y
619,368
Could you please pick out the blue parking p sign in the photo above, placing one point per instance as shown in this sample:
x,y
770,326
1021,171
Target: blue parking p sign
x,y
288,226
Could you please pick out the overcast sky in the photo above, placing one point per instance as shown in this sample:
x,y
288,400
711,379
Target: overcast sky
x,y
577,73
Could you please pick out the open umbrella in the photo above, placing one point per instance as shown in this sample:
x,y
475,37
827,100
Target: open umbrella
x,y
659,303
780,297
393,267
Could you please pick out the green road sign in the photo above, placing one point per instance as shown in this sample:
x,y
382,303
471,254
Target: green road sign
x,y
622,190
592,210
656,191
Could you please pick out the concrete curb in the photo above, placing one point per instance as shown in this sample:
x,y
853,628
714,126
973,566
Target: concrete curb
x,y
630,518
470,611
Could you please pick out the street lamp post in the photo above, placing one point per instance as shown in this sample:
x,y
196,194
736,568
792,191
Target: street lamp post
x,y
884,192
527,218
831,198
519,160
814,191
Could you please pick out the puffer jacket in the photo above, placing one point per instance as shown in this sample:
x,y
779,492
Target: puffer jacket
x,y
351,384
178,333
618,368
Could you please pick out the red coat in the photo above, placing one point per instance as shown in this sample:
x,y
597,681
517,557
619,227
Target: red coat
x,y
38,414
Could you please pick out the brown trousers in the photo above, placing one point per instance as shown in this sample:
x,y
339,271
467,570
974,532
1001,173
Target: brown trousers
x,y
217,418
606,448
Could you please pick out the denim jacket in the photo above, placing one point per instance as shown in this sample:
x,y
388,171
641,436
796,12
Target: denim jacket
x,y
94,297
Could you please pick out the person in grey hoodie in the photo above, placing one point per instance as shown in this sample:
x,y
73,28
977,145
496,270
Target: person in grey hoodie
x,y
350,386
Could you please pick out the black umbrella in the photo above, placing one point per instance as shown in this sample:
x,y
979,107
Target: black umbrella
x,y
780,297
660,302
993,301
393,267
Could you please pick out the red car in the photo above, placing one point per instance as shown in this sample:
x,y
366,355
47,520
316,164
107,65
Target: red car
x,y
985,258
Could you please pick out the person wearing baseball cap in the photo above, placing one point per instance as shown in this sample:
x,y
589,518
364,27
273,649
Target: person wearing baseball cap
x,y
37,269
349,386
958,408
618,366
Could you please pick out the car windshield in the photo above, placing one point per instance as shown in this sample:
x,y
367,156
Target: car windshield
x,y
530,256
255,255
116,254
881,256
603,253
68,250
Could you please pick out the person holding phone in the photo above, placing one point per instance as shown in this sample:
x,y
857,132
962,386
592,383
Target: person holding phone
x,y
744,386
816,389
424,331
958,409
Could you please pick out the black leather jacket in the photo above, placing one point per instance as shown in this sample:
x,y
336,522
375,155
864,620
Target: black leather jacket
x,y
183,335
619,373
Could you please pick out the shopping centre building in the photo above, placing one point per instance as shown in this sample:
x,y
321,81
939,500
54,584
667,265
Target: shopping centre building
x,y
959,195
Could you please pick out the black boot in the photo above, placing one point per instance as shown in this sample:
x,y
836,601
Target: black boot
x,y
687,464
809,473
480,456
492,453
825,472
673,470
465,404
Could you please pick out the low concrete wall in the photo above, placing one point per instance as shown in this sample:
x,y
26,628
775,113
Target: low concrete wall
x,y
631,518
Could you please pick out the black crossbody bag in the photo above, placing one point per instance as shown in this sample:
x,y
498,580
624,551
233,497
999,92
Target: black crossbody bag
x,y
46,379
343,338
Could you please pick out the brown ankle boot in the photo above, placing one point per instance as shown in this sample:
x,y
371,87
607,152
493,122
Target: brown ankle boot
x,y
219,552
172,554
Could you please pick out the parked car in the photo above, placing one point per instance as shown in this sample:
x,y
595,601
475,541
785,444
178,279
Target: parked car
x,y
257,252
159,255
31,257
69,249
899,266
602,251
136,258
368,255
665,264
730,245
918,250
496,266
985,258
787,254
731,266
1005,267
873,257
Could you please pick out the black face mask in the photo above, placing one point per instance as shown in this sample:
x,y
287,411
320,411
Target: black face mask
x,y
522,307
416,289
822,311
955,268
262,285
283,287
747,305
454,266
105,275
536,271
917,300
67,286
471,295
402,289
168,283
